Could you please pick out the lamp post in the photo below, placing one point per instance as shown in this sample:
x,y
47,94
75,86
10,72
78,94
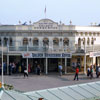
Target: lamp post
x,y
2,66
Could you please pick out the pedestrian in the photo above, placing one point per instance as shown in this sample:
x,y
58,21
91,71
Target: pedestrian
x,y
88,71
25,72
91,72
60,69
97,71
38,70
76,73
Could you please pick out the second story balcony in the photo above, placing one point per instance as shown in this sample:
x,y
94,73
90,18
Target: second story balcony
x,y
49,49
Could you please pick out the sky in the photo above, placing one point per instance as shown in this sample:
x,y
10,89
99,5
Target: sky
x,y
80,12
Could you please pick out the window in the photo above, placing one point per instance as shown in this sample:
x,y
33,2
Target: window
x,y
35,42
5,41
25,41
45,41
83,41
56,42
10,42
88,41
79,42
66,42
92,42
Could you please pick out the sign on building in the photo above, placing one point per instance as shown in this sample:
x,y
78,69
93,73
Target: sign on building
x,y
46,55
94,54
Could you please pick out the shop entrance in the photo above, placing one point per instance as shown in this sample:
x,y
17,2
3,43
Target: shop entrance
x,y
52,64
36,61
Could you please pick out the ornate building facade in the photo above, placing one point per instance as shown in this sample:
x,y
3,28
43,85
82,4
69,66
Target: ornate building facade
x,y
49,43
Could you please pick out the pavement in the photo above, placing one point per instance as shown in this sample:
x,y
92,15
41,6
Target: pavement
x,y
53,80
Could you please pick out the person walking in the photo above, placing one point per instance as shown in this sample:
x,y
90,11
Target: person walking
x,y
25,72
38,70
60,69
97,71
91,72
88,71
76,73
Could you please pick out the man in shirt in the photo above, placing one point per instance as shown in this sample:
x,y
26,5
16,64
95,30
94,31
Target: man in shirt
x,y
76,73
60,69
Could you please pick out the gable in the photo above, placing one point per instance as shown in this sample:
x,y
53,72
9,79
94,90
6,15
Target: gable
x,y
45,24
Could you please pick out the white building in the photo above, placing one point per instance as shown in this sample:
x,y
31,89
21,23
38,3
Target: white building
x,y
49,43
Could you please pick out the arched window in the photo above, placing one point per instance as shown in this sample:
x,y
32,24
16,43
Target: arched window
x,y
35,42
56,42
66,42
88,41
83,41
79,42
25,41
92,42
10,42
45,41
5,41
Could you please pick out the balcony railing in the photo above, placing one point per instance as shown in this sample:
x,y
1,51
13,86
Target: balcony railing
x,y
56,49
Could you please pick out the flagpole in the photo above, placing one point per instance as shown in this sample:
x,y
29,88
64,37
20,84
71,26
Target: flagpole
x,y
45,12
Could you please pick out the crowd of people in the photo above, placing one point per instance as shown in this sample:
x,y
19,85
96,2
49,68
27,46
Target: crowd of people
x,y
90,71
21,68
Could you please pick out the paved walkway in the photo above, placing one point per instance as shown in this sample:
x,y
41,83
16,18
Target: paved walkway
x,y
34,82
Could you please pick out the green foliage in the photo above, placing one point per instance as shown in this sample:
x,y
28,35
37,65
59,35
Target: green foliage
x,y
8,87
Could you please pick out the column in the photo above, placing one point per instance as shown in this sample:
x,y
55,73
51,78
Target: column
x,y
85,57
2,66
65,65
7,64
84,63
27,59
46,72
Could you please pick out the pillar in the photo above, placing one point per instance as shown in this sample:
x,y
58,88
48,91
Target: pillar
x,y
84,63
46,72
7,63
65,65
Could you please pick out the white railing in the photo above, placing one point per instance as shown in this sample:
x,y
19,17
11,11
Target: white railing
x,y
50,49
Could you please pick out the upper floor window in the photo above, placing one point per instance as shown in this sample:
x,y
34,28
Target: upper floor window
x,y
84,41
35,42
5,41
79,42
66,42
56,42
81,33
92,41
45,41
88,41
25,41
86,33
10,42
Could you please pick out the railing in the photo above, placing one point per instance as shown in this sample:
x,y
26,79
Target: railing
x,y
56,49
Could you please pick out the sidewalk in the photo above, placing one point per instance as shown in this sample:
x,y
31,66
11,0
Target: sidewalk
x,y
35,82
